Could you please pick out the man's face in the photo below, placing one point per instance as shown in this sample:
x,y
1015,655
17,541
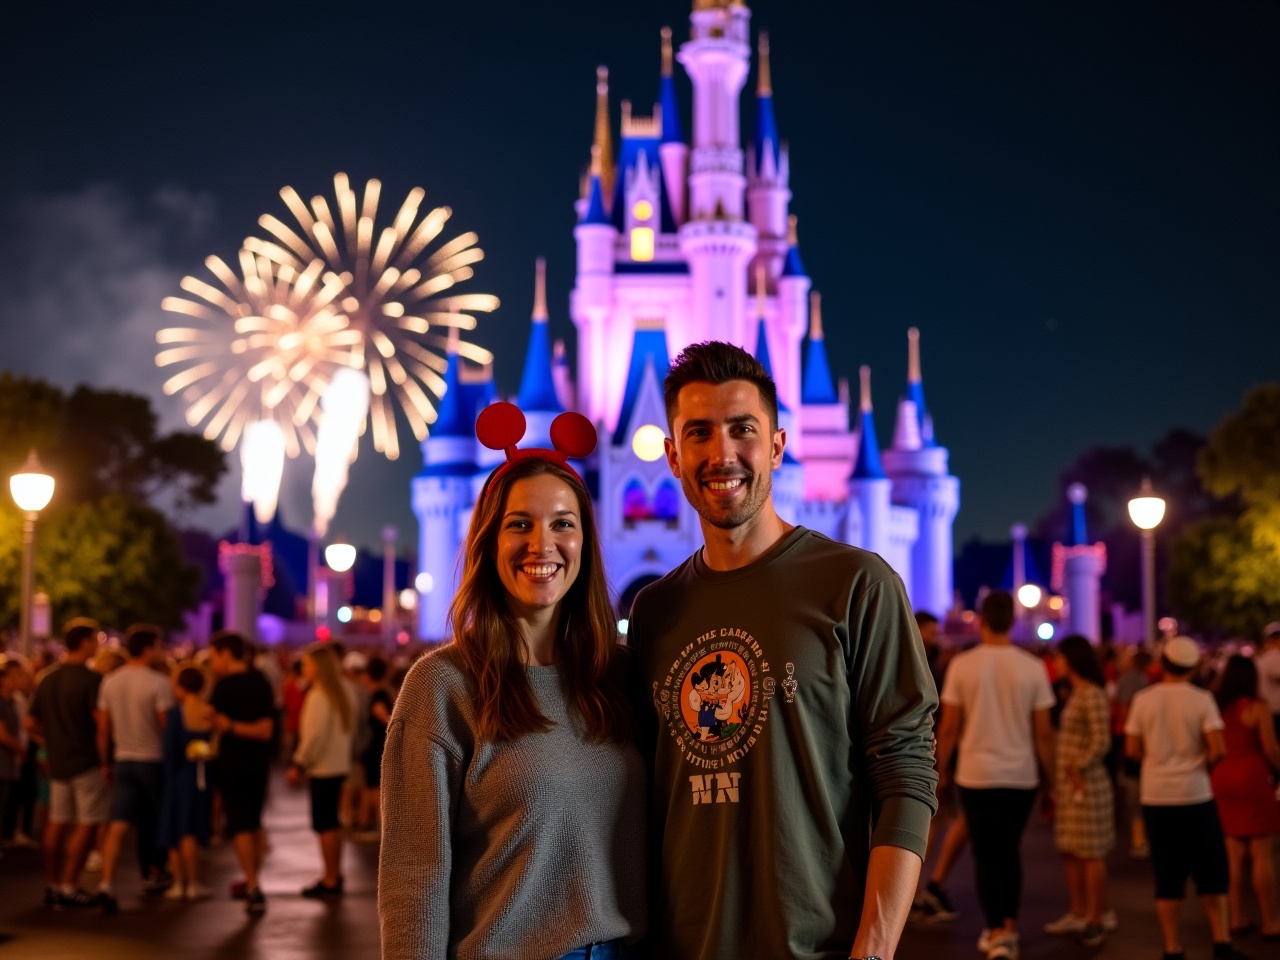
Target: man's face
x,y
724,451
221,661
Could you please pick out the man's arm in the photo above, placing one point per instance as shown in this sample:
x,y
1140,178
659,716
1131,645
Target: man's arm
x,y
1045,741
1133,747
892,876
104,737
1215,746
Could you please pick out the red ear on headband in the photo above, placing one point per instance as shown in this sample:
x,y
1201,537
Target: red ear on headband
x,y
501,426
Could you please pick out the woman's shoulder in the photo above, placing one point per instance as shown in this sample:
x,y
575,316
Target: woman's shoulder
x,y
437,692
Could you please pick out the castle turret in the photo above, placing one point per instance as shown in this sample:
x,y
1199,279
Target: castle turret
x,y
788,480
792,286
443,495
603,137
716,240
1078,569
592,301
673,150
768,174
869,487
537,397
824,419
562,376
918,468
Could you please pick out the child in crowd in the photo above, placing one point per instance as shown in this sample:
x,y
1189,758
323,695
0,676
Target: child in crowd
x,y
186,812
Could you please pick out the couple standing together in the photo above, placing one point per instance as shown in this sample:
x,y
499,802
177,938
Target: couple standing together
x,y
753,778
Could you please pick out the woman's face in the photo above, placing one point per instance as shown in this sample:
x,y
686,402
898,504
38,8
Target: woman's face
x,y
539,547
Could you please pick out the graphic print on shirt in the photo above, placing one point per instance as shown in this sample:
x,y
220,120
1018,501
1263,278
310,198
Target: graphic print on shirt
x,y
715,700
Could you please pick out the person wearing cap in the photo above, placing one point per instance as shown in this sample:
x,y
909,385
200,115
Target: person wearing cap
x,y
1175,730
1267,661
514,814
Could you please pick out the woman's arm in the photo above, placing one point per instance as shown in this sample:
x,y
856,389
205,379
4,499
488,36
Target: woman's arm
x,y
421,784
1267,733
309,723
1099,717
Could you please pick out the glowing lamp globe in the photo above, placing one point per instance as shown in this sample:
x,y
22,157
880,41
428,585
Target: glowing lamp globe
x,y
648,442
1146,510
408,598
424,582
340,557
1045,632
1029,595
32,489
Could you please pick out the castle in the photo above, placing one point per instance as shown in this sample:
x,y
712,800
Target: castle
x,y
681,240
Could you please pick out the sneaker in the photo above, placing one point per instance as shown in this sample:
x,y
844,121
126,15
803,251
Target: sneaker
x,y
21,841
77,898
158,882
108,902
198,891
1110,923
1068,923
1093,935
94,863
935,904
254,901
1004,946
176,892
321,890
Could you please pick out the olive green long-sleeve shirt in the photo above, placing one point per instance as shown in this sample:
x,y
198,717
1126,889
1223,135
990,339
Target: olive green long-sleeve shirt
x,y
788,714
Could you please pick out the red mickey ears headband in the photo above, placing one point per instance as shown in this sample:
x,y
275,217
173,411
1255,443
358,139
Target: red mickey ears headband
x,y
501,426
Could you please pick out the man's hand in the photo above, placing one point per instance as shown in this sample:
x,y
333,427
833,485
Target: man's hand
x,y
221,723
294,776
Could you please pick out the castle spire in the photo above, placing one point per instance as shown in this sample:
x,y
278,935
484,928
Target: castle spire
x,y
867,466
764,84
791,265
767,143
915,386
817,387
454,419
671,132
595,213
537,385
604,131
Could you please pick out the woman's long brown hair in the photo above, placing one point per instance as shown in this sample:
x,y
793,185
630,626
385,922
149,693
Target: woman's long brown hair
x,y
493,651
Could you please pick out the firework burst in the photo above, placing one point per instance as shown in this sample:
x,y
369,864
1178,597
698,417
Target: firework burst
x,y
263,346
396,296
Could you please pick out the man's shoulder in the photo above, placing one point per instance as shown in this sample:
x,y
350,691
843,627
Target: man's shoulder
x,y
677,579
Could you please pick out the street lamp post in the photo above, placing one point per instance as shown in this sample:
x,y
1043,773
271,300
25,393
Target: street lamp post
x,y
32,490
1146,510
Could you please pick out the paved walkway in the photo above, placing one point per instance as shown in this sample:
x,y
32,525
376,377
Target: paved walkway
x,y
298,929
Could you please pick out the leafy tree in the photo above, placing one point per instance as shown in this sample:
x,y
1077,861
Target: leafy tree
x,y
1242,459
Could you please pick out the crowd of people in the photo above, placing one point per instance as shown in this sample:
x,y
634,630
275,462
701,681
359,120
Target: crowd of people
x,y
1182,749
754,772
122,736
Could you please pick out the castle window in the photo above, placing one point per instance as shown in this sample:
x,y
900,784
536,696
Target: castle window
x,y
635,504
642,243
666,503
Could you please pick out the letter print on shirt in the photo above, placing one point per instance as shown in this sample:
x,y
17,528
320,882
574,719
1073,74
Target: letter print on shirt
x,y
715,700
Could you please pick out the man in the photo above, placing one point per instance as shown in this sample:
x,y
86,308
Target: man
x,y
1268,664
133,703
1175,730
995,704
245,711
62,717
786,705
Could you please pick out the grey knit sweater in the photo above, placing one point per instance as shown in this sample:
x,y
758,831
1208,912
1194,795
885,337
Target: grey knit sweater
x,y
492,851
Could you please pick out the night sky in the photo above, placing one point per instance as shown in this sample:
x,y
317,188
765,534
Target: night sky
x,y
1077,203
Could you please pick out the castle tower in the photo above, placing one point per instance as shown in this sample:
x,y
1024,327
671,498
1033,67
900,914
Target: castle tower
x,y
716,241
788,479
824,419
673,151
443,495
592,306
768,174
918,469
537,397
791,323
1078,571
869,487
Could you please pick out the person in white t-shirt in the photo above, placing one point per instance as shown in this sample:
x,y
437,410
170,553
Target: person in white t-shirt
x,y
1268,663
1175,729
996,700
133,703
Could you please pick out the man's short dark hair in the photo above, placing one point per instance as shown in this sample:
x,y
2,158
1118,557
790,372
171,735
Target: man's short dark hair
x,y
924,618
191,679
376,669
997,611
716,362
228,641
76,631
141,637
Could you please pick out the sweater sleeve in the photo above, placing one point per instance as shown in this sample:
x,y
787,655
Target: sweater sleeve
x,y
421,783
308,750
894,701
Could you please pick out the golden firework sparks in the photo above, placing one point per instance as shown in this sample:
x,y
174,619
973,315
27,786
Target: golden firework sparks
x,y
263,346
397,295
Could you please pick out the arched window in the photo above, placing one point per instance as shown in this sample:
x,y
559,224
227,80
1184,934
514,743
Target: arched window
x,y
666,503
635,503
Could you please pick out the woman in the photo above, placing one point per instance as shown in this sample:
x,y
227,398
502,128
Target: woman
x,y
186,812
325,729
513,814
1243,791
374,679
1085,825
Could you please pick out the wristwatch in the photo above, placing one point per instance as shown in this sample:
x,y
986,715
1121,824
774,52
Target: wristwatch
x,y
864,958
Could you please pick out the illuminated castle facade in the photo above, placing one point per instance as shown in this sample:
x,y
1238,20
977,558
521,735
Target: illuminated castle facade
x,y
684,238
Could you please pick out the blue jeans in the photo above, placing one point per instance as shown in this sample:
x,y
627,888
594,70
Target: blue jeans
x,y
612,950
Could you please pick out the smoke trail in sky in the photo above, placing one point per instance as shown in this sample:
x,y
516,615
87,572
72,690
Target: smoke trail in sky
x,y
345,404
262,467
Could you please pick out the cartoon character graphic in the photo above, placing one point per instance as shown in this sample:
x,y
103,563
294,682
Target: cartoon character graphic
x,y
716,688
